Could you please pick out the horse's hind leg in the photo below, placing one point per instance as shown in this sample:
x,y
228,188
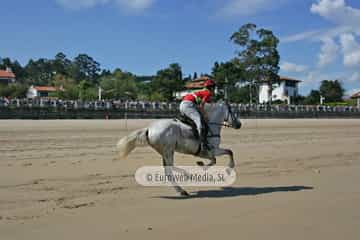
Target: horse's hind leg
x,y
168,163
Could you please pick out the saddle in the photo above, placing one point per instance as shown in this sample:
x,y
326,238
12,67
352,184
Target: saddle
x,y
188,121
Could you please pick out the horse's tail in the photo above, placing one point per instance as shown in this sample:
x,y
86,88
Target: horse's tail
x,y
135,139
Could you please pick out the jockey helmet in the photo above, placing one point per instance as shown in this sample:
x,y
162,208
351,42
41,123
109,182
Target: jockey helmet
x,y
209,83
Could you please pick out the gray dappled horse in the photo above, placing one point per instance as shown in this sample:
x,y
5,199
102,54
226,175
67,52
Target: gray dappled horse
x,y
172,135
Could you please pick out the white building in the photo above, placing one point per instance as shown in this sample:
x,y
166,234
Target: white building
x,y
285,90
357,97
40,91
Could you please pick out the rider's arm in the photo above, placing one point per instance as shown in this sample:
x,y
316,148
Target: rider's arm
x,y
202,110
206,98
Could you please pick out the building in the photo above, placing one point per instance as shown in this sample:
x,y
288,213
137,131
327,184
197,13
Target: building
x,y
357,96
40,91
7,76
285,90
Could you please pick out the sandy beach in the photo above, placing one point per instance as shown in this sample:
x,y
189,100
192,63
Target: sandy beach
x,y
296,179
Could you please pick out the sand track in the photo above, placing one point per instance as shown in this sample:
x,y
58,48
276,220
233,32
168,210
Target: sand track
x,y
296,179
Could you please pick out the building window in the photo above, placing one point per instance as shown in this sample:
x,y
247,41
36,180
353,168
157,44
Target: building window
x,y
290,84
44,94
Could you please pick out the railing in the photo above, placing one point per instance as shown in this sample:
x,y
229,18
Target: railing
x,y
58,109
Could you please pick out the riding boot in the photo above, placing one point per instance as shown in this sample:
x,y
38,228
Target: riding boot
x,y
204,141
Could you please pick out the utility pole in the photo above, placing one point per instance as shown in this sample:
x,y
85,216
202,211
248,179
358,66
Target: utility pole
x,y
250,92
322,99
226,96
99,93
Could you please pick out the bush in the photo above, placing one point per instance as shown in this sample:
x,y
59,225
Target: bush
x,y
13,90
349,102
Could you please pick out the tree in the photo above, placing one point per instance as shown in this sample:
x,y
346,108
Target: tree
x,y
85,67
228,75
258,56
332,91
239,95
59,71
13,90
61,65
119,85
313,98
167,81
67,87
87,91
39,72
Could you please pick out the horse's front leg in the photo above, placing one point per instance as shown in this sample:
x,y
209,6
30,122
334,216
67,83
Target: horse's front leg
x,y
221,151
208,156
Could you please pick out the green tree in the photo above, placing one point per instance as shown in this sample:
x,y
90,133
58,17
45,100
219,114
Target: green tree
x,y
67,87
258,55
313,98
13,90
167,81
144,90
19,90
85,67
227,70
87,91
239,95
61,65
119,85
332,91
228,76
39,72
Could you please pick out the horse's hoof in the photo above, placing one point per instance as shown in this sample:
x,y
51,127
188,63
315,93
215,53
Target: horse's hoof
x,y
229,170
184,193
199,163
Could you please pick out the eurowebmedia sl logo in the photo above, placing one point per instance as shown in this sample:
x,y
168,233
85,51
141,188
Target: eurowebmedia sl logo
x,y
185,176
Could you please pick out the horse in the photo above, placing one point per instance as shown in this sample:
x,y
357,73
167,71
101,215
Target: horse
x,y
172,135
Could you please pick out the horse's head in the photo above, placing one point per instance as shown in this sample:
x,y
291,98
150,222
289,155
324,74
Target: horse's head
x,y
220,113
230,119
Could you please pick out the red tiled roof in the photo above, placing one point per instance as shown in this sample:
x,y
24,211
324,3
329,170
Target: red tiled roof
x,y
356,95
197,83
45,89
6,74
191,85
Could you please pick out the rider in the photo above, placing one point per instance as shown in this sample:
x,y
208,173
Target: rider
x,y
192,106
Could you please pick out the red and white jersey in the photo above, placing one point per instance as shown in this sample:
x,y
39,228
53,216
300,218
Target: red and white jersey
x,y
199,96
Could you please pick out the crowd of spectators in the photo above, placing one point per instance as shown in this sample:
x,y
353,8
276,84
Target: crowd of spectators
x,y
88,105
153,106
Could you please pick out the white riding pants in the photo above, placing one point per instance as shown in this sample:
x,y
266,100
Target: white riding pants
x,y
189,109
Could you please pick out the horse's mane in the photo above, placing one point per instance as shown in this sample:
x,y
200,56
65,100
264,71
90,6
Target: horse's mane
x,y
210,107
